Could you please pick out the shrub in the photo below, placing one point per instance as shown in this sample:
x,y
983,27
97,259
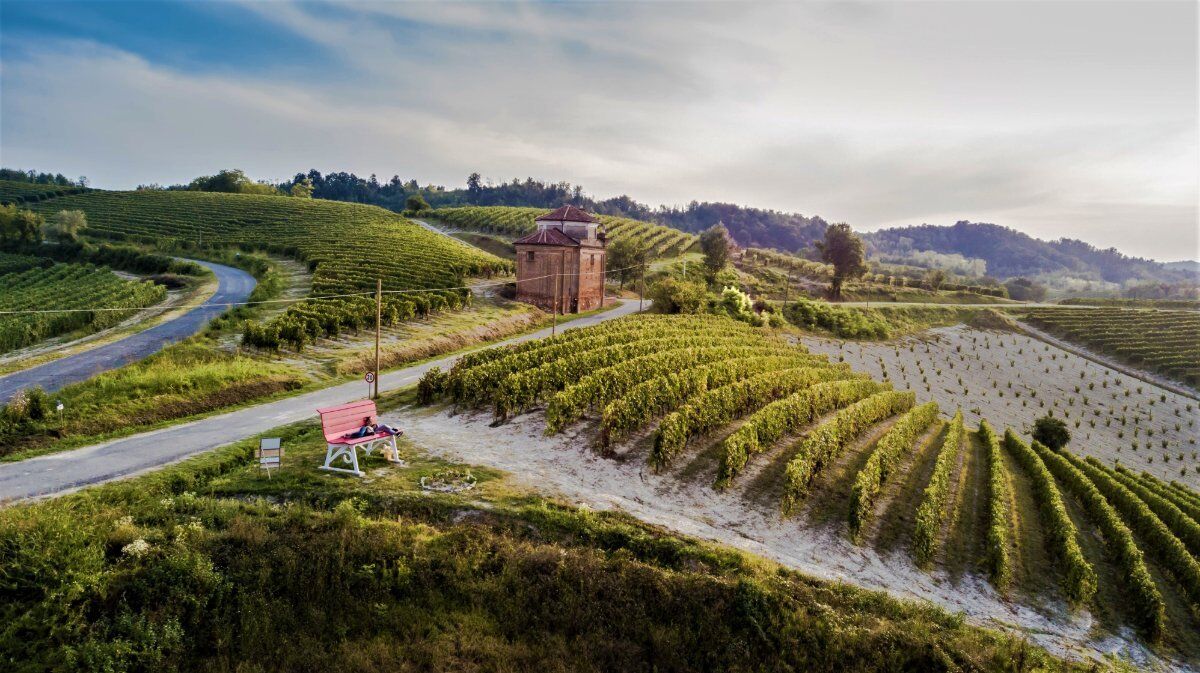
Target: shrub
x,y
1051,432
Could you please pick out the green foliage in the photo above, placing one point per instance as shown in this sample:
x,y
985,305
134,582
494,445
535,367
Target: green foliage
x,y
98,297
737,305
19,226
712,406
715,243
1146,601
346,246
671,295
931,513
232,181
303,189
843,322
1166,342
659,240
769,424
66,225
1051,432
827,440
1172,554
626,257
1023,289
416,203
844,250
874,474
1079,579
999,511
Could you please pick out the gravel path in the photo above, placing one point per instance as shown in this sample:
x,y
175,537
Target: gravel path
x,y
234,285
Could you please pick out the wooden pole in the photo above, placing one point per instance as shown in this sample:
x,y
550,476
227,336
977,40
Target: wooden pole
x,y
641,284
378,327
787,286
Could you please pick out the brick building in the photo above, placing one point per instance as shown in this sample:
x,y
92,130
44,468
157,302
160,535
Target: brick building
x,y
569,244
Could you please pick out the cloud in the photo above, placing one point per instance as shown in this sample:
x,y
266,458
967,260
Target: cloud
x,y
1058,119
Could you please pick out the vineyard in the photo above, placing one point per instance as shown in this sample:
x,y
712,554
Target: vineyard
x,y
764,425
511,221
1165,342
27,283
346,246
12,191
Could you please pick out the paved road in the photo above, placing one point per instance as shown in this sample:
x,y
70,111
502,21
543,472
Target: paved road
x,y
234,285
60,473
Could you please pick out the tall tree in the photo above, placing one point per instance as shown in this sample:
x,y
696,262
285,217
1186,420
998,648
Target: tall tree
x,y
714,242
844,250
625,256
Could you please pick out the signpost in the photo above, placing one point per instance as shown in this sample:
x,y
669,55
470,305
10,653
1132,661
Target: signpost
x,y
370,379
270,454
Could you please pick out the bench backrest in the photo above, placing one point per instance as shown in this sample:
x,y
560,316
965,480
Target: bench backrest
x,y
344,418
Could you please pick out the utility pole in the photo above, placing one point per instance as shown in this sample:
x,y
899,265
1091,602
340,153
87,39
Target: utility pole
x,y
378,327
641,284
787,287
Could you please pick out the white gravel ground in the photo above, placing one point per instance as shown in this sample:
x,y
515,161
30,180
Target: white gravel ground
x,y
566,466
1012,379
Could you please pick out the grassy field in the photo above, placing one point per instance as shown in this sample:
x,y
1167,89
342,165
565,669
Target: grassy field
x,y
703,398
210,565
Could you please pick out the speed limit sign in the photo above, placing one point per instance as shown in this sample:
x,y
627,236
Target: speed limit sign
x,y
370,377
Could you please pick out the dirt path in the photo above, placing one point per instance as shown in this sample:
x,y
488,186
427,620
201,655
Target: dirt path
x,y
566,465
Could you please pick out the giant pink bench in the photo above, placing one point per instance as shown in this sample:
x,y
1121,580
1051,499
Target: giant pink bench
x,y
344,419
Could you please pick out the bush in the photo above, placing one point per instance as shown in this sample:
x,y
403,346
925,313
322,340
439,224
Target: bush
x,y
677,296
1051,432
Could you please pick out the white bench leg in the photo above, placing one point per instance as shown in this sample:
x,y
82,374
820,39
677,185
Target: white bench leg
x,y
339,451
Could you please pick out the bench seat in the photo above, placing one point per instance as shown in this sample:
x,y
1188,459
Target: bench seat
x,y
343,419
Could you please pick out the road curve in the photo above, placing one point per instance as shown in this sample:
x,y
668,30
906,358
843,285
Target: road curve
x,y
233,285
60,473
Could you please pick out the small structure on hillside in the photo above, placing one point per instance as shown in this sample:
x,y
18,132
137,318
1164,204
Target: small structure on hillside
x,y
560,267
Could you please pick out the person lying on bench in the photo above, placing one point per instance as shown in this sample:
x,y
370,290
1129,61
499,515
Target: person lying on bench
x,y
370,428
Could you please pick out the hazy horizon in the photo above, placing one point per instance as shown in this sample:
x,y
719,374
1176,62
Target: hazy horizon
x,y
1057,119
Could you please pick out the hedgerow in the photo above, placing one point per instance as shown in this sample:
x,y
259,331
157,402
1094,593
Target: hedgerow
x,y
997,561
1182,525
1079,578
665,394
767,425
1138,515
931,513
1149,611
718,406
870,479
827,440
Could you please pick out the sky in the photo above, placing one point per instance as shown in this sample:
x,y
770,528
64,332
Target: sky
x,y
1076,119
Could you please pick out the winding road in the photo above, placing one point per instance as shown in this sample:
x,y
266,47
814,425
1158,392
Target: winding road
x,y
60,473
234,285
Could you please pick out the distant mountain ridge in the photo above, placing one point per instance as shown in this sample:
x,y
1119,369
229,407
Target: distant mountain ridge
x,y
1009,252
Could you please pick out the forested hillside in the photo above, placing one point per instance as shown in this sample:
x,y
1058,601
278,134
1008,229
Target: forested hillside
x,y
1009,252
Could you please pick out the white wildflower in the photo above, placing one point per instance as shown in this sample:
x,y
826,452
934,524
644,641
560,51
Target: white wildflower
x,y
137,549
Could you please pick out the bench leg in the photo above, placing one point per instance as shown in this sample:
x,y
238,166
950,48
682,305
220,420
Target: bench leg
x,y
334,452
394,455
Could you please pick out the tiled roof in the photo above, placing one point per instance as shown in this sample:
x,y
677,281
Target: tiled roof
x,y
547,236
567,214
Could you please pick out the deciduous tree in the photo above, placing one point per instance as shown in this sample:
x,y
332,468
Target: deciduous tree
x,y
844,250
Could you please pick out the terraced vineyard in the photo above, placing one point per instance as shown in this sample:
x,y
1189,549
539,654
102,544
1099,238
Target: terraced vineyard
x,y
513,221
763,425
1165,342
13,191
347,247
65,286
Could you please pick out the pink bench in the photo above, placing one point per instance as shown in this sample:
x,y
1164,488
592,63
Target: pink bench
x,y
344,419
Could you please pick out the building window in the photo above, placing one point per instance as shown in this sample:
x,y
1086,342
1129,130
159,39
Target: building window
x,y
529,256
592,261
